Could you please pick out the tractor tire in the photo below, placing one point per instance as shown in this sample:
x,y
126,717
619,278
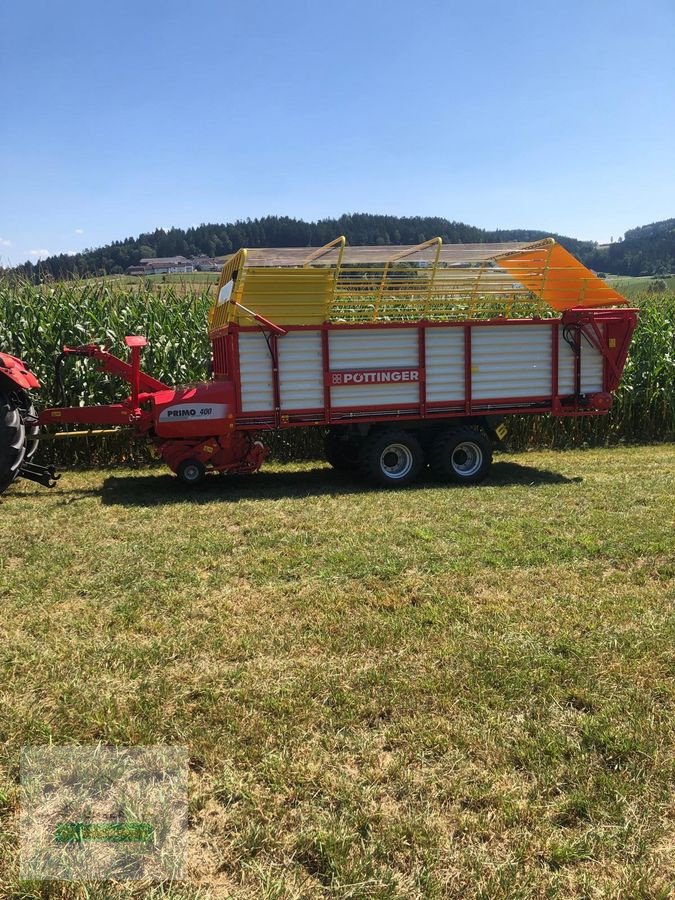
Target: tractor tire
x,y
191,472
12,441
341,453
391,458
462,455
32,428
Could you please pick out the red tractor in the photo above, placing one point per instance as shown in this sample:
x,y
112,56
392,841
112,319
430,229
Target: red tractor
x,y
406,358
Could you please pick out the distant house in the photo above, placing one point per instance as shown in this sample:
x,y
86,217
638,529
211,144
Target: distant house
x,y
175,265
166,265
204,263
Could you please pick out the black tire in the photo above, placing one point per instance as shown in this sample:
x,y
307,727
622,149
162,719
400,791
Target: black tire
x,y
391,458
341,453
12,441
462,455
28,411
191,472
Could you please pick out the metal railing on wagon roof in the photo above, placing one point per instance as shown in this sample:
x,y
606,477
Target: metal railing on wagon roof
x,y
427,281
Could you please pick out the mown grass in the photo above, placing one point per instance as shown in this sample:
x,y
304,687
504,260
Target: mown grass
x,y
420,694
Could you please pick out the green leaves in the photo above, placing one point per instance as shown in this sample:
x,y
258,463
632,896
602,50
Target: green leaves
x,y
36,321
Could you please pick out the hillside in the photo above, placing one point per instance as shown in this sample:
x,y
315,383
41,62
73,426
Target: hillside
x,y
647,250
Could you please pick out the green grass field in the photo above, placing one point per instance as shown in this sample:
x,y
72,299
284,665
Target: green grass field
x,y
633,287
420,694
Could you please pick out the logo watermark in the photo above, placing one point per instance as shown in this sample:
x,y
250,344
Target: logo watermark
x,y
103,813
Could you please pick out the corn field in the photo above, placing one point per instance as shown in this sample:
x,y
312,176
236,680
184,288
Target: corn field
x,y
35,321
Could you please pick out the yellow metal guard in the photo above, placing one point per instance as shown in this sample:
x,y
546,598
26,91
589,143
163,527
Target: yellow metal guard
x,y
428,281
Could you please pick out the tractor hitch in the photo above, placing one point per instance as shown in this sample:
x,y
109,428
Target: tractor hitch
x,y
45,475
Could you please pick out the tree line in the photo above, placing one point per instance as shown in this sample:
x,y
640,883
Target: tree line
x,y
647,250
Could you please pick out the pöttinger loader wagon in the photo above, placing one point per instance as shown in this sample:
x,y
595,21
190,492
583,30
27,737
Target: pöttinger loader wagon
x,y
407,356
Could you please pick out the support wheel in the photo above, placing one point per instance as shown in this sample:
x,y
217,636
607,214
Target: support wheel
x,y
191,472
12,441
462,455
341,453
391,458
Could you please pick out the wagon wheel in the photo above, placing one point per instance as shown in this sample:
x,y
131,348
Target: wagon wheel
x,y
391,458
341,453
463,455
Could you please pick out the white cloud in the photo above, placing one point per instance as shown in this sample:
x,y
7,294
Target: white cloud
x,y
5,243
79,231
39,253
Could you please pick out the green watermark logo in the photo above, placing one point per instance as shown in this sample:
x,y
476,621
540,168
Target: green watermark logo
x,y
124,832
97,813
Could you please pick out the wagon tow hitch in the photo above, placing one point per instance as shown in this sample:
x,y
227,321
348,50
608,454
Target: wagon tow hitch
x,y
47,476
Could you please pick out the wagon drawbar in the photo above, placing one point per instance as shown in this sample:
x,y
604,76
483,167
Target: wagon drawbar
x,y
406,356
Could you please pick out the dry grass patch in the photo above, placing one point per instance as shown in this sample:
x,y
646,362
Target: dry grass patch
x,y
429,693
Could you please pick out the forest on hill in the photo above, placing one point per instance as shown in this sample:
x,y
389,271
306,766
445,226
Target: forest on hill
x,y
648,250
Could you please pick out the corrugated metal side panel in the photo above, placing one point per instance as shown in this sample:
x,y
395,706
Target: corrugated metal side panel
x,y
300,370
255,368
510,361
445,364
592,368
374,348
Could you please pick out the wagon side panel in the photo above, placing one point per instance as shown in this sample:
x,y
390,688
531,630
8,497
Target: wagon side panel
x,y
366,350
301,371
511,362
445,365
255,373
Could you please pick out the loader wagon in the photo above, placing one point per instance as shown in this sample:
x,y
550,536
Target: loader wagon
x,y
406,357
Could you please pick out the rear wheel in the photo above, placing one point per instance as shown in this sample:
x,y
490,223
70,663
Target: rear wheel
x,y
12,441
391,458
462,455
341,453
29,415
191,472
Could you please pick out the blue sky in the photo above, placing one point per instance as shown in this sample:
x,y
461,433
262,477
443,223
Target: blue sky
x,y
126,116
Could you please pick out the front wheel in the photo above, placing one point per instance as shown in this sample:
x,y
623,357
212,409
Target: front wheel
x,y
462,455
391,458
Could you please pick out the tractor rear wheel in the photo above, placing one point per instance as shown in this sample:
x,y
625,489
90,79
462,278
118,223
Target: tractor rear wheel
x,y
29,415
462,455
391,458
12,441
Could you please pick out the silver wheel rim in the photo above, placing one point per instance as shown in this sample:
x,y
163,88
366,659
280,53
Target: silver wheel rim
x,y
191,473
467,458
396,461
